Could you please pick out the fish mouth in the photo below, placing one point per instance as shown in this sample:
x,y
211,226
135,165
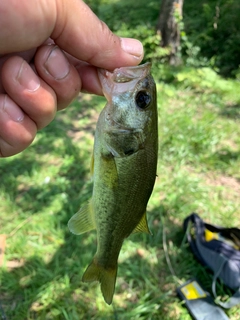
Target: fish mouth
x,y
126,74
122,79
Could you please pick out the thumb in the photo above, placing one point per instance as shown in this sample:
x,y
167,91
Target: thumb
x,y
87,38
72,25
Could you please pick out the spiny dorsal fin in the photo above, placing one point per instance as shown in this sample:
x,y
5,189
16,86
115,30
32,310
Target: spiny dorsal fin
x,y
83,220
142,225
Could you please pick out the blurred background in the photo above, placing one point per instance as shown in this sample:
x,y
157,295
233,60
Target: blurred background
x,y
194,47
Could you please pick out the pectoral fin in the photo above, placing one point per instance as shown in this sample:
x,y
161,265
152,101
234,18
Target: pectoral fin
x,y
108,172
142,225
83,220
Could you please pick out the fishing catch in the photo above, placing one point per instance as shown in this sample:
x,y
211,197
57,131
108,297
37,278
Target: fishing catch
x,y
123,167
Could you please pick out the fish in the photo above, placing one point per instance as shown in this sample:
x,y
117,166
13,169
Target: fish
x,y
123,169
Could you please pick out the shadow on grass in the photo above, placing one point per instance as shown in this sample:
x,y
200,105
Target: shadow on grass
x,y
21,286
144,276
223,159
227,156
165,263
231,112
53,289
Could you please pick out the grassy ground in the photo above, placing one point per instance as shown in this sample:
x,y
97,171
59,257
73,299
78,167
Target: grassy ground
x,y
199,160
41,188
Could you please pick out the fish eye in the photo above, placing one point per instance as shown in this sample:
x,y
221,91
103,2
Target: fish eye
x,y
142,99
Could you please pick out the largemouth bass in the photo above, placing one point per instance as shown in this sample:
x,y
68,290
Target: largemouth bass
x,y
123,167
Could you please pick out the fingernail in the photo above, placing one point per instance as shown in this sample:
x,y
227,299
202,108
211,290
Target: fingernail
x,y
132,46
57,65
13,110
27,77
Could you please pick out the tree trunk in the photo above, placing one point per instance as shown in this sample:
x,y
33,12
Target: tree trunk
x,y
168,26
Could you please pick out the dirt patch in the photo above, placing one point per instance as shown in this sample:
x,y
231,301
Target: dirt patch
x,y
214,179
230,183
84,126
2,247
12,264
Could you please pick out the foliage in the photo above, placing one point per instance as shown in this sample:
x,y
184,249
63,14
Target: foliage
x,y
213,26
210,31
150,40
136,20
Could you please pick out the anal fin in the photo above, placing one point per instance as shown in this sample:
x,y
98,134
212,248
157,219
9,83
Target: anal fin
x,y
142,225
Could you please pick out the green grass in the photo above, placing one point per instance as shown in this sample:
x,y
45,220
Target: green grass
x,y
41,188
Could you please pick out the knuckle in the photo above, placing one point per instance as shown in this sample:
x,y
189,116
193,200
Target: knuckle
x,y
15,137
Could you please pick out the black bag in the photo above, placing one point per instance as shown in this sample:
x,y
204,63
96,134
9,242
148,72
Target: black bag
x,y
219,249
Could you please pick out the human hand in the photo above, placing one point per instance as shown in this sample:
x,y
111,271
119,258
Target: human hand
x,y
36,77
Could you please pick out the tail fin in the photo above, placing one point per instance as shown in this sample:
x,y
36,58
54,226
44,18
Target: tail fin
x,y
106,277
